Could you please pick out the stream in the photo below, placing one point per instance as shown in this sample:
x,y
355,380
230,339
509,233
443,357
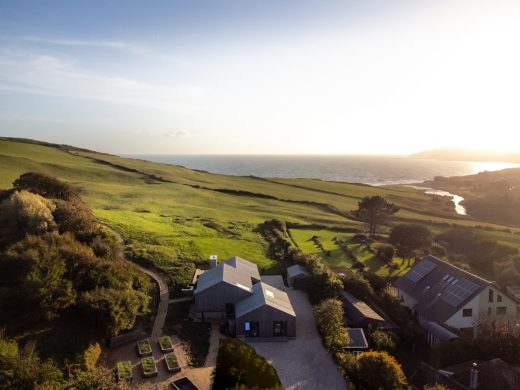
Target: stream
x,y
456,199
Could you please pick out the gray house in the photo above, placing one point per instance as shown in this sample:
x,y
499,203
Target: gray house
x,y
220,288
297,276
266,313
232,290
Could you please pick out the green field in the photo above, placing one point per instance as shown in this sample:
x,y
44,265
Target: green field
x,y
172,216
335,257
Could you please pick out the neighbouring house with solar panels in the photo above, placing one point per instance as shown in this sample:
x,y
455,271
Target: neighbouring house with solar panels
x,y
233,291
443,296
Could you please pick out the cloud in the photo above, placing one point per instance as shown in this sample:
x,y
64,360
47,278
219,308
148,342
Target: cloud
x,y
177,133
108,44
57,76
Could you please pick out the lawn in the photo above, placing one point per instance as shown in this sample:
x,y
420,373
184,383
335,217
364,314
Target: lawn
x,y
172,216
334,256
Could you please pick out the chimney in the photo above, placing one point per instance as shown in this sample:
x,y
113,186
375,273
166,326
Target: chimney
x,y
213,261
473,377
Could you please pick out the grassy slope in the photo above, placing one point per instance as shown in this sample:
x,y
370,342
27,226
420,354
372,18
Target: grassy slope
x,y
176,214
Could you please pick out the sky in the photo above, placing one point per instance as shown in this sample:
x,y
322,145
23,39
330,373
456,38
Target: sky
x,y
262,77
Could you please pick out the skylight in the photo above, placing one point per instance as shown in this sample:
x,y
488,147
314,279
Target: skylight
x,y
269,293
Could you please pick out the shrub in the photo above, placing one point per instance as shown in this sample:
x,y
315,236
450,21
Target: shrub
x,y
238,366
383,341
44,185
329,321
91,356
376,370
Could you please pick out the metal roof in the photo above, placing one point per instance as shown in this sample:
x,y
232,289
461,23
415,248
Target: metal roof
x,y
440,288
296,269
357,339
264,294
235,271
439,331
359,309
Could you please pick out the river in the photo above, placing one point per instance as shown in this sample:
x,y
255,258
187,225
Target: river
x,y
456,199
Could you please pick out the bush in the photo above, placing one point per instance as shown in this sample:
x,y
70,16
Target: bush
x,y
375,370
383,341
91,356
238,366
44,185
329,321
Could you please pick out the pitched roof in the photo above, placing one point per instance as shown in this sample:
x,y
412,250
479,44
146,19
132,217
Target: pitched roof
x,y
439,331
359,310
264,294
235,271
440,288
357,339
245,266
296,269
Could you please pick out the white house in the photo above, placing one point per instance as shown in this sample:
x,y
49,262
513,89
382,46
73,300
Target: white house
x,y
442,295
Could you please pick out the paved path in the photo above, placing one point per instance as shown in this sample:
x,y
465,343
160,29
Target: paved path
x,y
302,363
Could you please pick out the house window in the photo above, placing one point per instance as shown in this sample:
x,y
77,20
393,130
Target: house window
x,y
499,298
489,311
490,295
251,328
501,310
230,310
279,328
467,312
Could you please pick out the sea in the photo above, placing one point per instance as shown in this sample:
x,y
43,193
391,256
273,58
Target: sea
x,y
373,170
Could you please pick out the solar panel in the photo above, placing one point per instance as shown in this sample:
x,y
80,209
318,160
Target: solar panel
x,y
420,270
458,293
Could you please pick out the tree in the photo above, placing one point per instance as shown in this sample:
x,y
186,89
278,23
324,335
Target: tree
x,y
95,378
436,386
383,341
376,370
374,211
408,238
91,356
34,271
44,185
26,371
24,213
329,321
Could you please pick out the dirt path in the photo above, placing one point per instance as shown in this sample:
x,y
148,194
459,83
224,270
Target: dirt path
x,y
201,377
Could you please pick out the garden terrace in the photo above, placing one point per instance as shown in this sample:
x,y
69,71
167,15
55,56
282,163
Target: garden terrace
x,y
144,348
183,384
172,364
165,342
149,367
124,370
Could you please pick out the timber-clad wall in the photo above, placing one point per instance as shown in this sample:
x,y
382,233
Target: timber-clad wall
x,y
216,297
265,316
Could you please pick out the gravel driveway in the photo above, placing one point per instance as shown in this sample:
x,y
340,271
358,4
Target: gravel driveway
x,y
302,363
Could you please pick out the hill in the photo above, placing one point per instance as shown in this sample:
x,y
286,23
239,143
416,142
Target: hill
x,y
467,155
489,196
175,217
